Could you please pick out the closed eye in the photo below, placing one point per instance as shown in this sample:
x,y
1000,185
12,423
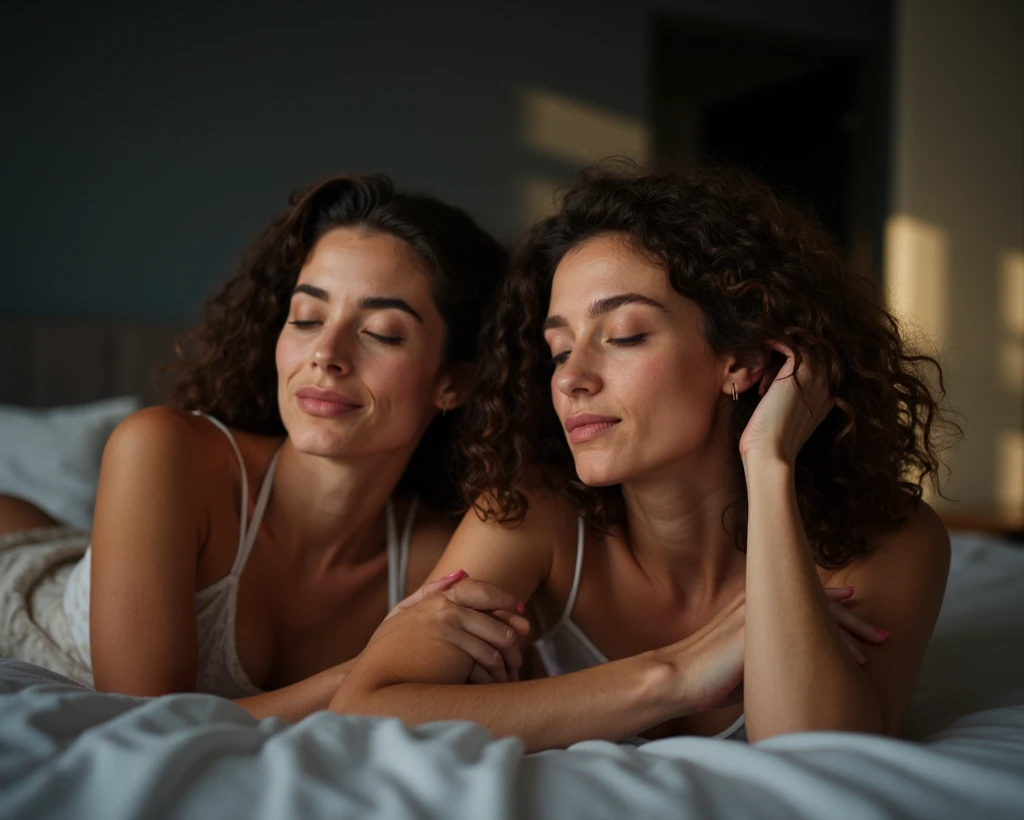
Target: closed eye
x,y
626,341
388,340
303,323
560,358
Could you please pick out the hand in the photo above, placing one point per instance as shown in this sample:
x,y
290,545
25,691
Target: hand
x,y
788,412
709,663
479,618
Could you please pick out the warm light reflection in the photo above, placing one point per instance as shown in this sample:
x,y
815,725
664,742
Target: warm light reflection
x,y
1012,296
1011,365
917,276
1010,472
572,131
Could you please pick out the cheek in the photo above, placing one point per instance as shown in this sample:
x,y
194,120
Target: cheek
x,y
286,354
669,394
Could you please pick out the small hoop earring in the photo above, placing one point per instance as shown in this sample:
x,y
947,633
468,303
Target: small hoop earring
x,y
735,395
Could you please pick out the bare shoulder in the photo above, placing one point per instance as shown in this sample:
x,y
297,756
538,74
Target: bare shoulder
x,y
547,519
155,433
916,550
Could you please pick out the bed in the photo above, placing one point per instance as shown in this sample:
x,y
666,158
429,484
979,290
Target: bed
x,y
67,751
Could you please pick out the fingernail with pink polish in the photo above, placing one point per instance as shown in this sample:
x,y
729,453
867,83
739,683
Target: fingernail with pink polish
x,y
458,575
520,607
882,632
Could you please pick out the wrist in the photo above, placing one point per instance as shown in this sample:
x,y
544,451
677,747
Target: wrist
x,y
768,463
664,683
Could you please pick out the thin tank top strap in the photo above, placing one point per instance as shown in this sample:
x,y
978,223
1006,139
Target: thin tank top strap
x,y
403,549
257,514
398,552
243,507
571,602
393,556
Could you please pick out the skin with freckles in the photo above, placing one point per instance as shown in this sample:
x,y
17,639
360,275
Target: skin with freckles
x,y
643,363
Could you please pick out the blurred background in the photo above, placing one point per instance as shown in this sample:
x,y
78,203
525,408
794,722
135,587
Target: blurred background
x,y
144,144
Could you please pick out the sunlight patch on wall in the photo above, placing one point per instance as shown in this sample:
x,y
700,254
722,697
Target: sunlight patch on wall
x,y
1011,353
1010,472
1012,296
569,130
917,276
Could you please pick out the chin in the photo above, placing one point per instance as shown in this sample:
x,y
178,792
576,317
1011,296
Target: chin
x,y
598,470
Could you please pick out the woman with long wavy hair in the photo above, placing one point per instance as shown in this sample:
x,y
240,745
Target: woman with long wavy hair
x,y
697,449
251,535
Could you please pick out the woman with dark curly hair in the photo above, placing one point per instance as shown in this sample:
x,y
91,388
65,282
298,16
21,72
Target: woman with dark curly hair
x,y
250,536
697,448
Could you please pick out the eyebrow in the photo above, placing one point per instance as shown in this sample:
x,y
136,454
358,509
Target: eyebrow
x,y
367,303
606,305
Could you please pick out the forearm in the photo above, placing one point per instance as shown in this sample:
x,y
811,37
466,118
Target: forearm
x,y
300,699
607,702
798,673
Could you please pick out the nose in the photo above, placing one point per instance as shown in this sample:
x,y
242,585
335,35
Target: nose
x,y
577,377
331,355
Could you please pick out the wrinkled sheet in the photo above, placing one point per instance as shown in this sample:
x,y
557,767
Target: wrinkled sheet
x,y
66,751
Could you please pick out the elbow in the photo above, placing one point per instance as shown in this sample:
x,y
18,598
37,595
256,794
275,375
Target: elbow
x,y
354,698
869,720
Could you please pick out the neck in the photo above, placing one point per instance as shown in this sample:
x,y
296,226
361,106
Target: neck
x,y
677,523
329,511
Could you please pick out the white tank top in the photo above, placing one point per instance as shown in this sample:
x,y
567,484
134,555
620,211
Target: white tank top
x,y
566,648
219,671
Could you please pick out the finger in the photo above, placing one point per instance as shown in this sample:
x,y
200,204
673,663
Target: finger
x,y
487,628
517,622
483,654
432,588
839,593
480,675
483,596
855,650
856,626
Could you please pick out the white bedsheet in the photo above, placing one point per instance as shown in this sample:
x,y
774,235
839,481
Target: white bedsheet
x,y
66,751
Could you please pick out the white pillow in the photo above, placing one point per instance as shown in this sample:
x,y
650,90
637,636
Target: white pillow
x,y
51,456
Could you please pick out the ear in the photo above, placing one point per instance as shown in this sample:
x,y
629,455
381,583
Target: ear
x,y
453,386
744,370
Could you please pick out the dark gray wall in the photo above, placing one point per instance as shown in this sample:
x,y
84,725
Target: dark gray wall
x,y
143,146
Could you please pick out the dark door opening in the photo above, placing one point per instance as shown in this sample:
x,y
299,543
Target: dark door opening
x,y
807,118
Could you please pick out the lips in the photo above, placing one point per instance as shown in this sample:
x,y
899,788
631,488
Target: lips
x,y
586,426
318,401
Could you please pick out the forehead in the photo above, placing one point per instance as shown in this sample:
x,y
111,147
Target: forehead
x,y
359,259
604,266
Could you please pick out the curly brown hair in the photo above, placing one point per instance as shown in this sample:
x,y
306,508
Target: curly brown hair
x,y
226,367
759,270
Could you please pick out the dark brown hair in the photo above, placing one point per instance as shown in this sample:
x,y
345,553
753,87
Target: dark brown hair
x,y
227,365
759,270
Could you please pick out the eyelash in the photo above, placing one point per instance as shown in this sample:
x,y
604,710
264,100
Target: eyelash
x,y
624,341
388,340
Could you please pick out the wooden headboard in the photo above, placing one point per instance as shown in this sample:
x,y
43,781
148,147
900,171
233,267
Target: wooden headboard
x,y
46,362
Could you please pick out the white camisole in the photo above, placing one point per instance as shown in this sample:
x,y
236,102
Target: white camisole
x,y
219,671
566,648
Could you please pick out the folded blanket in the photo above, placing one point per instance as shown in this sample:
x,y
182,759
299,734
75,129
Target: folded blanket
x,y
34,568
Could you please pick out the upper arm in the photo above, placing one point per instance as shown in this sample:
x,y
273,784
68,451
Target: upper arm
x,y
145,543
517,558
899,587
